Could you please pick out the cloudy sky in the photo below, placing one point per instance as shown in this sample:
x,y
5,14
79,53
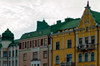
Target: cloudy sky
x,y
21,16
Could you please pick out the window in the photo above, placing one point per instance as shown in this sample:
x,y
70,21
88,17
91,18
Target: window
x,y
92,56
86,40
33,43
69,57
16,52
80,41
28,44
4,53
34,64
4,63
25,57
57,45
45,64
57,60
86,28
38,65
9,63
35,55
45,42
80,57
23,45
44,54
69,44
93,39
0,53
38,42
12,53
16,62
86,57
12,63
9,53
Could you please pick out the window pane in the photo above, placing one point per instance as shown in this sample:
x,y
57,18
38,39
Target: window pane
x,y
69,44
5,54
92,56
35,55
86,57
93,39
80,41
57,45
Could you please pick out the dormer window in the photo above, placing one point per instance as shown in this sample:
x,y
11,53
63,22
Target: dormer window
x,y
40,32
29,34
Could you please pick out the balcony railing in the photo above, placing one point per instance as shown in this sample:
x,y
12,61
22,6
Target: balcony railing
x,y
88,46
67,64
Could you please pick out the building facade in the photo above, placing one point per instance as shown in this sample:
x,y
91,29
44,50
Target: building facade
x,y
9,50
35,47
76,43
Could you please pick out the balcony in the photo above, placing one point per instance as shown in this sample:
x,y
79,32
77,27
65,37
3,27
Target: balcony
x,y
85,47
67,64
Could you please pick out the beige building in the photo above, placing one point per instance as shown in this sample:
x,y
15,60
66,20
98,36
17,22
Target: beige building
x,y
35,46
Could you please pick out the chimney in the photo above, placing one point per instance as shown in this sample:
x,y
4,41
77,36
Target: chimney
x,y
59,22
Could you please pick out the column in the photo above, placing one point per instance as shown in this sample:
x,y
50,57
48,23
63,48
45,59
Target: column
x,y
8,56
18,55
11,57
1,56
14,55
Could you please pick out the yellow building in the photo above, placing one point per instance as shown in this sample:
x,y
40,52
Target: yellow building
x,y
76,42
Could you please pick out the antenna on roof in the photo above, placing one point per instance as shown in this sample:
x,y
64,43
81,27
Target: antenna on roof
x,y
87,3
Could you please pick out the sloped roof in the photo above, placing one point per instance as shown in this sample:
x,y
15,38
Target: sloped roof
x,y
96,16
69,23
45,31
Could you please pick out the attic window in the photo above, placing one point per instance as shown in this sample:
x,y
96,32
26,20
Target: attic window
x,y
29,34
40,32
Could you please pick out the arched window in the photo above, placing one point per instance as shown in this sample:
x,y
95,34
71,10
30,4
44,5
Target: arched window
x,y
92,56
57,59
80,58
86,57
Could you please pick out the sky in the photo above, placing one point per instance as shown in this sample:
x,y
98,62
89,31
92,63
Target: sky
x,y
21,16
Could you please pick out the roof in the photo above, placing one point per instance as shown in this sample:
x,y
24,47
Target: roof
x,y
14,43
96,16
45,31
42,25
8,35
69,23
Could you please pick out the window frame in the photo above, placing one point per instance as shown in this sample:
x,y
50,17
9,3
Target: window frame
x,y
24,56
85,57
56,46
85,39
4,54
67,55
91,39
67,43
57,61
44,54
36,55
79,41
93,56
79,57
